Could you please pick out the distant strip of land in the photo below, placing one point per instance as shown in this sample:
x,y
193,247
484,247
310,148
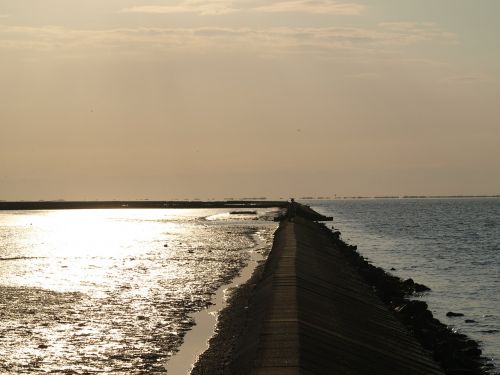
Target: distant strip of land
x,y
69,205
399,197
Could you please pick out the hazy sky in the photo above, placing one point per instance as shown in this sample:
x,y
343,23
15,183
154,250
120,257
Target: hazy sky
x,y
165,99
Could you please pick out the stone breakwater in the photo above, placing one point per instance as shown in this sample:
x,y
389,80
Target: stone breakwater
x,y
318,307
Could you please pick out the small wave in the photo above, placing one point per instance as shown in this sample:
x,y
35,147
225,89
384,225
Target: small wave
x,y
20,258
490,331
219,216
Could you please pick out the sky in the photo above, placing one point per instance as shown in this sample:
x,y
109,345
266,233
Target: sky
x,y
183,99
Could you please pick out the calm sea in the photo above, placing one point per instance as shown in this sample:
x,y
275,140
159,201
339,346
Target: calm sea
x,y
111,291
450,245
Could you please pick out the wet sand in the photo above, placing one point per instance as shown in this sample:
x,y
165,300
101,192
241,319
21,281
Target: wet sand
x,y
196,341
116,299
231,325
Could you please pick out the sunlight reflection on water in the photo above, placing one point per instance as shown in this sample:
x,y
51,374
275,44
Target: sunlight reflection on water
x,y
110,290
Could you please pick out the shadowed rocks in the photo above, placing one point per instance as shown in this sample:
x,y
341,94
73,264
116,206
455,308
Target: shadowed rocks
x,y
456,353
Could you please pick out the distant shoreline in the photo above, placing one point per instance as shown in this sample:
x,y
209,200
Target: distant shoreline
x,y
400,197
67,205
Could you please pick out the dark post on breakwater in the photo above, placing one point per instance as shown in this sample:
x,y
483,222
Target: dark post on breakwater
x,y
312,313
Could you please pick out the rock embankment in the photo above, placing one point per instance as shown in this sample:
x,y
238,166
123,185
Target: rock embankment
x,y
456,353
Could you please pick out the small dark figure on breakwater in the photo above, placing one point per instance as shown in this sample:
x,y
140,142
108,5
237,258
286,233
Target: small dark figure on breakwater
x,y
291,209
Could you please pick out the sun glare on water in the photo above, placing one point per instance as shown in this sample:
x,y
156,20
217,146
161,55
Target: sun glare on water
x,y
76,250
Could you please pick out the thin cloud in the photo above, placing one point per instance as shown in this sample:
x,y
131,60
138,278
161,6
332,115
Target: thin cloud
x,y
203,8
221,7
209,39
414,32
314,7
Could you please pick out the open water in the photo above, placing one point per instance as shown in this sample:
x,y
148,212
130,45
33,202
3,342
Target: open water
x,y
112,291
450,245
